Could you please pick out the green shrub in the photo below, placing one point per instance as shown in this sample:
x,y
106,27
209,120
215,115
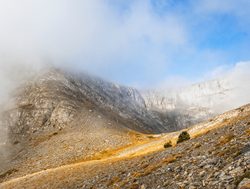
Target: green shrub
x,y
183,136
168,144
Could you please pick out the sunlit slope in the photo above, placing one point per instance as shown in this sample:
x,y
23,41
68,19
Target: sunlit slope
x,y
78,174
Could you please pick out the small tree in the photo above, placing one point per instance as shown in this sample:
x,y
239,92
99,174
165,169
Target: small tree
x,y
183,136
168,144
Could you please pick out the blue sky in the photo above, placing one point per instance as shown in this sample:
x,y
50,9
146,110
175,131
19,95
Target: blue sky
x,y
215,34
141,43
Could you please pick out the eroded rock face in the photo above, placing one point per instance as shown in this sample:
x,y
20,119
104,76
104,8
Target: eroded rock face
x,y
197,102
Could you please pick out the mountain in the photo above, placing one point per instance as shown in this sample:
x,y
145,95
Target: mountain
x,y
59,119
207,94
200,101
57,99
78,114
217,155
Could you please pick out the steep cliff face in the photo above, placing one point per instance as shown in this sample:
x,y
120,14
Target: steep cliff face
x,y
230,90
207,95
193,103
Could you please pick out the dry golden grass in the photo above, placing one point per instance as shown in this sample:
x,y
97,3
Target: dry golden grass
x,y
171,159
215,125
148,169
233,151
225,139
134,186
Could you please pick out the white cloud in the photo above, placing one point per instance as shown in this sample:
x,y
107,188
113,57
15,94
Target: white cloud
x,y
87,31
234,83
239,79
87,35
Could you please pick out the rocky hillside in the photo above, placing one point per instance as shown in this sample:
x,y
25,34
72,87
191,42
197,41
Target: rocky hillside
x,y
56,100
59,118
200,101
77,114
207,95
217,155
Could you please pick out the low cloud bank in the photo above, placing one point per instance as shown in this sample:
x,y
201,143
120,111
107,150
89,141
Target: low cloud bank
x,y
223,89
238,80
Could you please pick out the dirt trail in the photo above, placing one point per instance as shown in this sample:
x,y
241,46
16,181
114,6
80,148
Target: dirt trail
x,y
128,152
155,144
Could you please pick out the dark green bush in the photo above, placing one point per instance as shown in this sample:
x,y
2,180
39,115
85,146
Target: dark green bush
x,y
183,136
168,144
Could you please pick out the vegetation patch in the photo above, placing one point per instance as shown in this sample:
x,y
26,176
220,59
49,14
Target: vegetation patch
x,y
168,144
183,137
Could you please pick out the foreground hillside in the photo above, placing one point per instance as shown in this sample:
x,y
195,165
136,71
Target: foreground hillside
x,y
216,156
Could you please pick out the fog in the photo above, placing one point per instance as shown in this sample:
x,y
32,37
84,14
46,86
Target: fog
x,y
89,35
222,89
238,79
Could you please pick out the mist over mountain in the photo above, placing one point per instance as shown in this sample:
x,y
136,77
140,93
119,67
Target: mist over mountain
x,y
61,122
226,89
148,111
132,94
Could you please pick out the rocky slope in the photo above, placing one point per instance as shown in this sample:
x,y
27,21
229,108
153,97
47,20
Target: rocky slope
x,y
76,114
217,156
60,118
207,95
200,101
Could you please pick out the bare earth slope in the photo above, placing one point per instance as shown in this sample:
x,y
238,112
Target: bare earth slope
x,y
217,156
